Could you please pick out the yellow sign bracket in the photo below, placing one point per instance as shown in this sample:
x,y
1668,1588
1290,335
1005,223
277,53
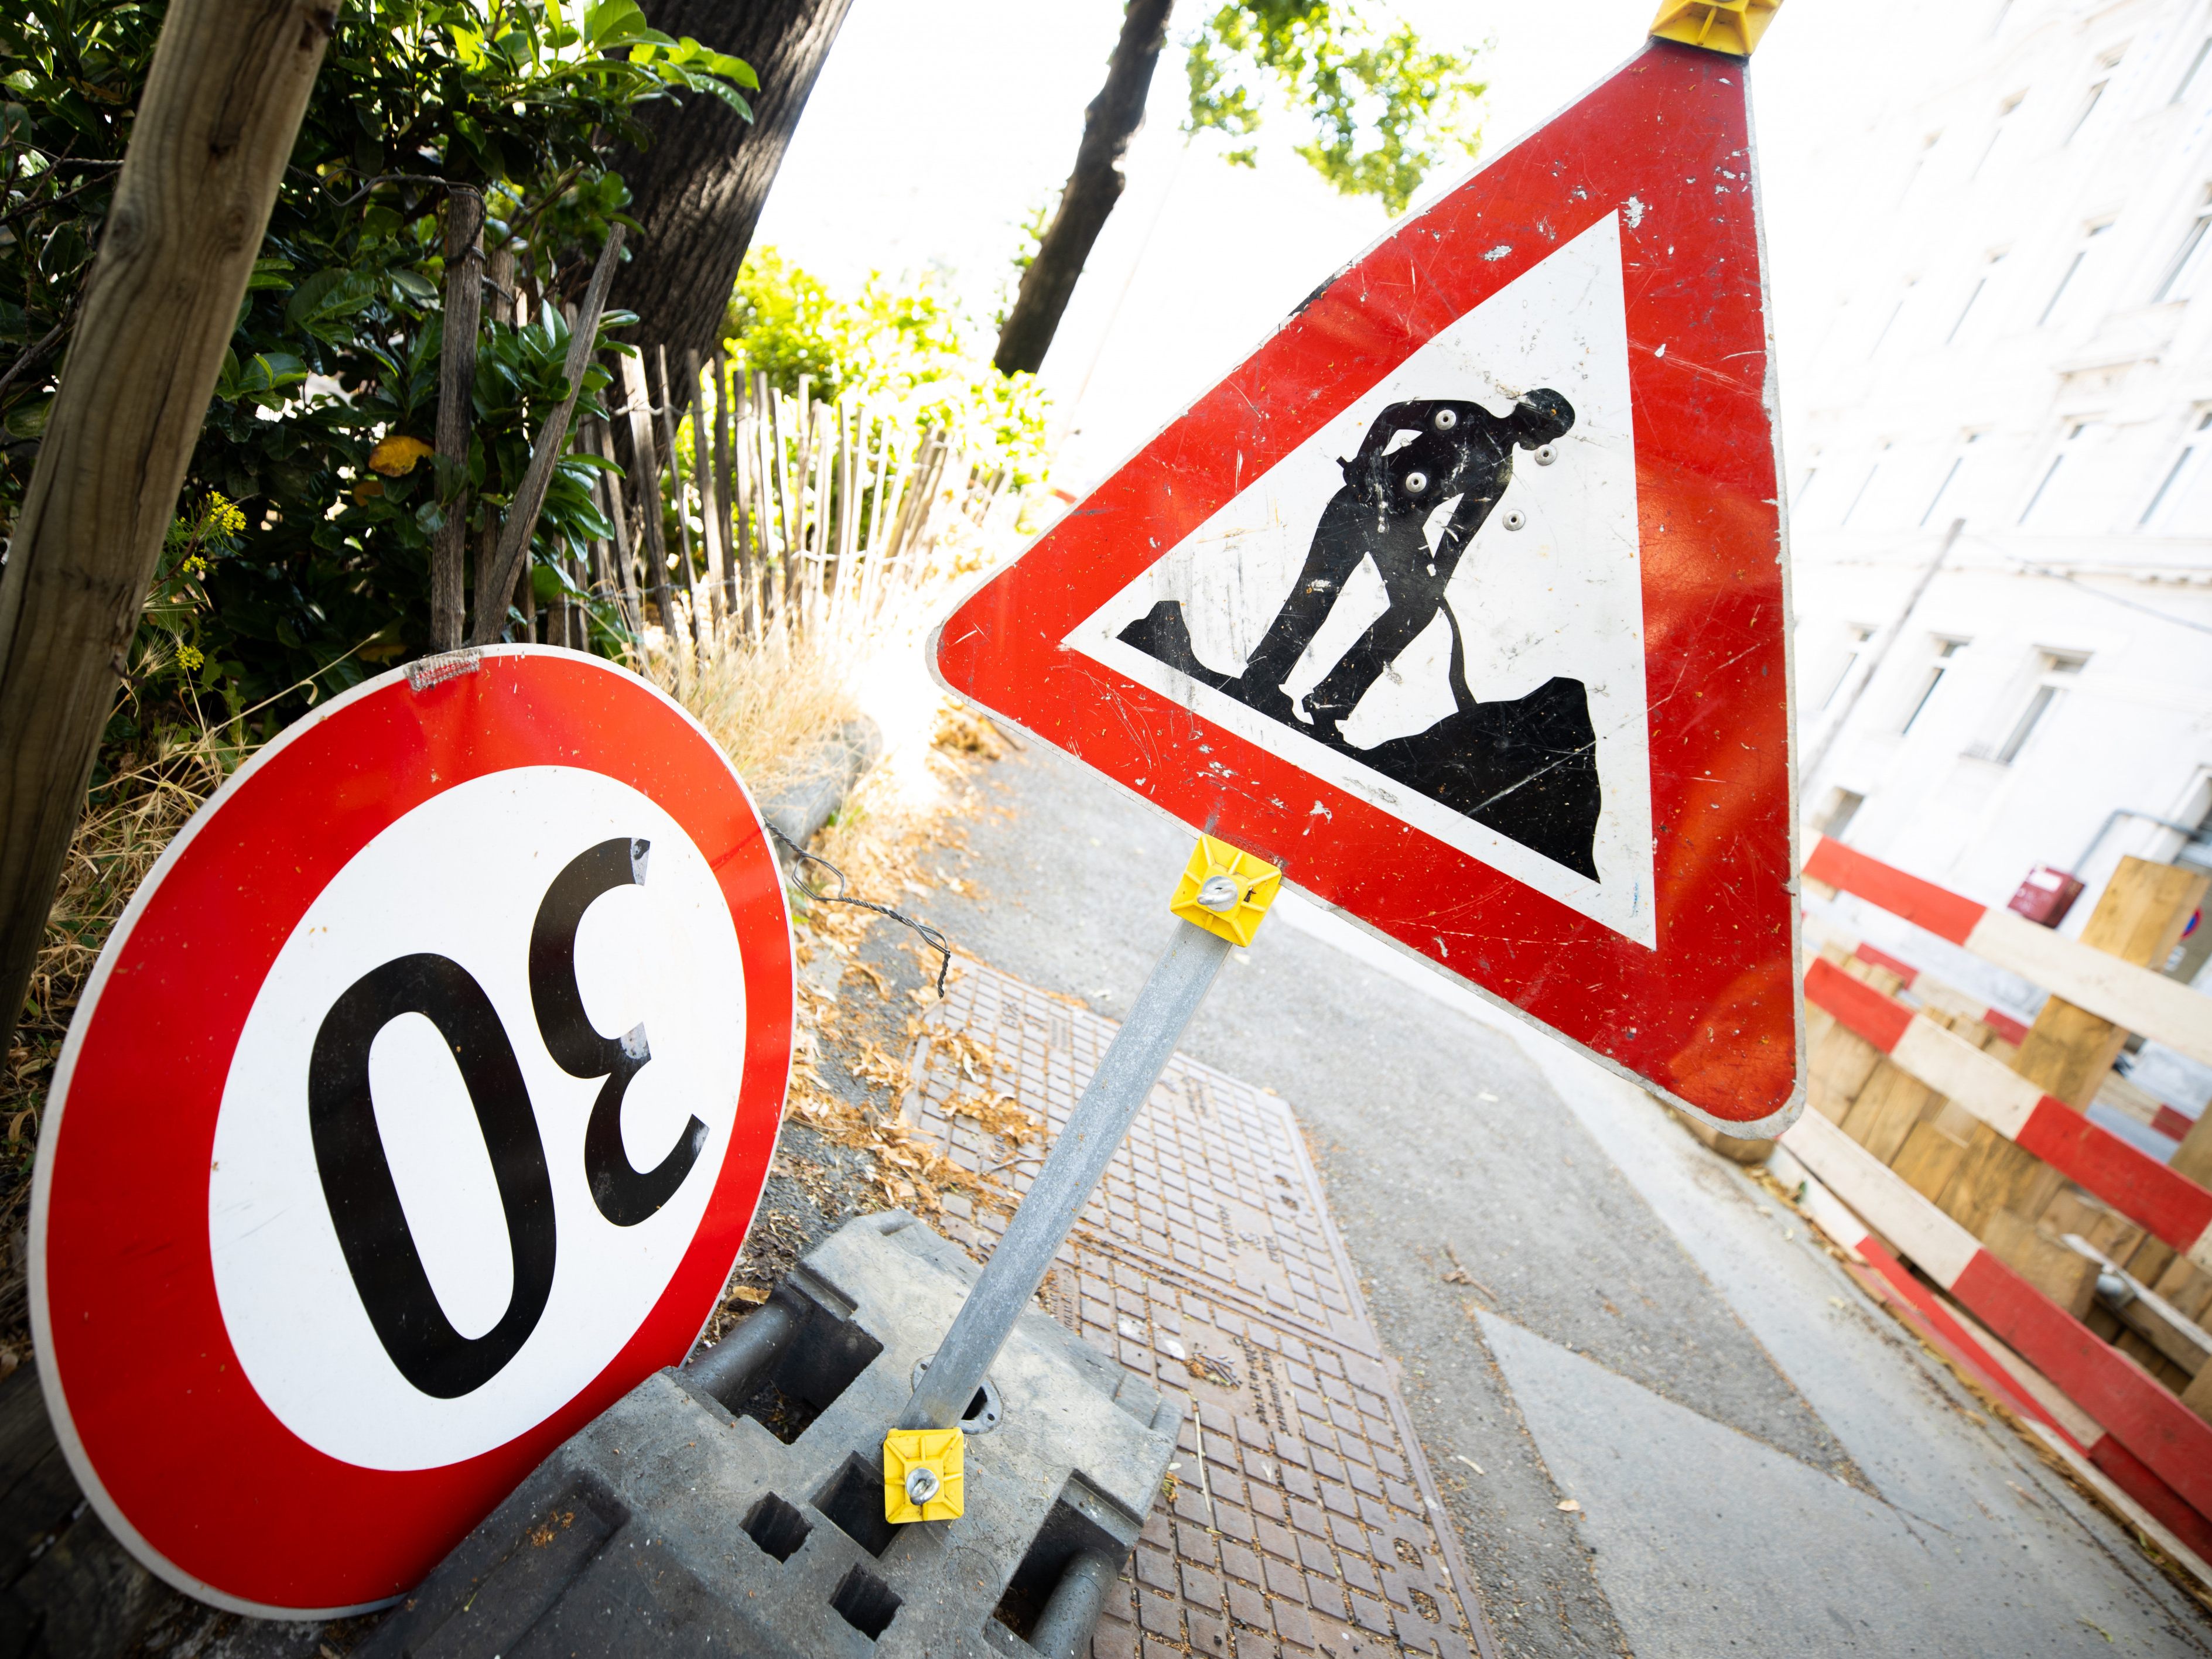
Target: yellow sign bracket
x,y
1730,26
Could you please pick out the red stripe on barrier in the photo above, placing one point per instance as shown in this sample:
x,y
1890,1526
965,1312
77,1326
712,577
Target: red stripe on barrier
x,y
1948,1334
2170,1204
2170,1123
2164,1434
1879,1019
2005,1025
1922,902
1882,958
2132,1476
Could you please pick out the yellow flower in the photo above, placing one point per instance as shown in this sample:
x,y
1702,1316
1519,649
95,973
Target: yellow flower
x,y
189,657
395,457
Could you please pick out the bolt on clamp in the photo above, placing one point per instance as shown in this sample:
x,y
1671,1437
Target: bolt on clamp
x,y
1225,892
922,1475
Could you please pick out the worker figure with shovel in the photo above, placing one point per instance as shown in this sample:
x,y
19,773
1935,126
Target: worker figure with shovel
x,y
1415,456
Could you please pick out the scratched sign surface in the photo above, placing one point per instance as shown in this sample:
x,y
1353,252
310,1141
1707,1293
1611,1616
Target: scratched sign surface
x,y
1464,599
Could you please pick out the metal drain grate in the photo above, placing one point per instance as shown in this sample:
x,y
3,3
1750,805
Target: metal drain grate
x,y
1207,1264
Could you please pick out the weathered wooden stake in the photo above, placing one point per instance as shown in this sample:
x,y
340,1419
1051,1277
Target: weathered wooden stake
x,y
230,79
513,555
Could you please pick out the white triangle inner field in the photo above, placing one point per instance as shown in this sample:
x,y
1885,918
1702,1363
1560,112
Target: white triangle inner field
x,y
1547,596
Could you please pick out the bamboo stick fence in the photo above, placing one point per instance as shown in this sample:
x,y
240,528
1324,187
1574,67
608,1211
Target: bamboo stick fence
x,y
790,511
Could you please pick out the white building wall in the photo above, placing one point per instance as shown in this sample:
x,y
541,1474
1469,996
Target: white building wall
x,y
2008,381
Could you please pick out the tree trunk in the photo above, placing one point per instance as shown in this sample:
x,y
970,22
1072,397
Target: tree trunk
x,y
1092,190
222,104
698,187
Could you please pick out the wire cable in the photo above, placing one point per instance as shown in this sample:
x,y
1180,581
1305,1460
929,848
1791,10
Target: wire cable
x,y
930,936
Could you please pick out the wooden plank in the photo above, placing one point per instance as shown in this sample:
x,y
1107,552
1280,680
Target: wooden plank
x,y
2069,1279
1928,1158
1893,1101
2145,1418
2131,994
1838,1062
2139,918
2193,1157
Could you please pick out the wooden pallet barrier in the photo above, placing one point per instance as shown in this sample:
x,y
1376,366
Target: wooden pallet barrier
x,y
2173,1208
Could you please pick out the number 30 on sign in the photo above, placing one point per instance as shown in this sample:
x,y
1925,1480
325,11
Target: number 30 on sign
x,y
416,1111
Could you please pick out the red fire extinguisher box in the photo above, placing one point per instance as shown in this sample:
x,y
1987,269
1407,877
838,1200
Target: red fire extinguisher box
x,y
2046,895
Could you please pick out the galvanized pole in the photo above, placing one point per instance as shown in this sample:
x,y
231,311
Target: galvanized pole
x,y
1133,1062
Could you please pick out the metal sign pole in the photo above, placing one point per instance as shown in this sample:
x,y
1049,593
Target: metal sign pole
x,y
1220,899
1140,1053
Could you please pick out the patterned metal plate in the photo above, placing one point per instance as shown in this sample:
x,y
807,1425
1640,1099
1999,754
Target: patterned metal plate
x,y
1302,1516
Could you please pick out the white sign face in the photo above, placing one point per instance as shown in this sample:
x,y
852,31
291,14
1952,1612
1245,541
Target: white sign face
x,y
1545,594
422,1249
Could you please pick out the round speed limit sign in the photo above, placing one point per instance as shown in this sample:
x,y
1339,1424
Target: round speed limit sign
x,y
416,1111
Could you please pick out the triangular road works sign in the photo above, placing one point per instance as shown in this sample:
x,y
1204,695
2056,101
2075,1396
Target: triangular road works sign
x,y
1464,599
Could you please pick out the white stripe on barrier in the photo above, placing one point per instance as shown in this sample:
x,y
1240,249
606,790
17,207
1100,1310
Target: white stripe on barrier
x,y
1953,1067
2144,1002
1939,1245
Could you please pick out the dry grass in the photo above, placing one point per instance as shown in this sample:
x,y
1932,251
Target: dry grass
x,y
770,703
131,816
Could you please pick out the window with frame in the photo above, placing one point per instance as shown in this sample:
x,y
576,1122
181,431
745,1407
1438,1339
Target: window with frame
x,y
1942,654
1950,476
1896,311
1997,130
2188,81
1866,484
2163,510
2080,256
2182,269
1974,295
2061,672
2078,434
1857,636
1838,812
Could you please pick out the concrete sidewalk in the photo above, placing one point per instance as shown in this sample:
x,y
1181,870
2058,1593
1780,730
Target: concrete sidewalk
x,y
1587,1306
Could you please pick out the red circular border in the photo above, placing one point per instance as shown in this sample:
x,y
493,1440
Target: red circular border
x,y
152,1403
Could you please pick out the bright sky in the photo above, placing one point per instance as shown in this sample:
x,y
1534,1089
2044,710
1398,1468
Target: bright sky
x,y
934,130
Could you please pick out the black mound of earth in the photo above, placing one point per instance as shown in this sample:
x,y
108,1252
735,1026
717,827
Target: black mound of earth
x,y
1525,769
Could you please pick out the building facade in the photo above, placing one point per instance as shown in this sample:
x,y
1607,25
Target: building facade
x,y
2000,457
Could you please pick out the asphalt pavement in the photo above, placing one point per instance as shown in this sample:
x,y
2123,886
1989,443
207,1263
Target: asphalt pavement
x,y
1588,1308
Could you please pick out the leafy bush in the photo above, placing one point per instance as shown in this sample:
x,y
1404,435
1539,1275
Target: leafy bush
x,y
1383,109
907,345
324,575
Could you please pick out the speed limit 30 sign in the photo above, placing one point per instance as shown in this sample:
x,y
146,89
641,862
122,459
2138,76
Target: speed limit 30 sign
x,y
416,1111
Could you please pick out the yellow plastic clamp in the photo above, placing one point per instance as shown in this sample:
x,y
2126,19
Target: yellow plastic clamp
x,y
1225,892
922,1478
1730,26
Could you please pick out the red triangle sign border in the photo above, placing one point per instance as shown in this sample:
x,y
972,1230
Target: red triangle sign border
x,y
1711,1020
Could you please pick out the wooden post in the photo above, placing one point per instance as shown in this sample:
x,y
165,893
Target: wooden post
x,y
701,623
787,540
229,81
646,488
2070,1052
2139,918
457,379
626,591
736,540
513,554
713,526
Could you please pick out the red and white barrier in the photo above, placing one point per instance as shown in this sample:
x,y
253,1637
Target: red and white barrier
x,y
2005,1025
2146,1003
2165,1436
2084,1444
2172,1206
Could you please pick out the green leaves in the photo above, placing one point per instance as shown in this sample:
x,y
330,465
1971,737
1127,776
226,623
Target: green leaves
x,y
337,342
907,345
1383,109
